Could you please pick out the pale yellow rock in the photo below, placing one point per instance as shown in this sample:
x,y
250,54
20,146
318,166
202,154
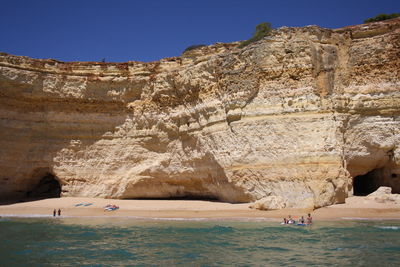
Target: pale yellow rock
x,y
269,203
384,195
297,116
383,190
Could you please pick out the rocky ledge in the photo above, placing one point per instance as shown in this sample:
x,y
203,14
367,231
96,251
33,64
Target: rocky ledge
x,y
305,117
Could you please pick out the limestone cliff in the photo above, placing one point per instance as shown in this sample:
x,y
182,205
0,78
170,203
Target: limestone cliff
x,y
302,115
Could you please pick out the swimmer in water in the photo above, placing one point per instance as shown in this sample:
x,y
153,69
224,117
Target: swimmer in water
x,y
309,219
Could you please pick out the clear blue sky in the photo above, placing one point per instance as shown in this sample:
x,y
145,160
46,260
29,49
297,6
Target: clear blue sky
x,y
147,30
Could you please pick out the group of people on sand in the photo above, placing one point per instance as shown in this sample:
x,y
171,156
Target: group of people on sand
x,y
290,220
55,212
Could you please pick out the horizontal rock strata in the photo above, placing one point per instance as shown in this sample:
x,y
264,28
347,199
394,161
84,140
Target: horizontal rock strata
x,y
300,116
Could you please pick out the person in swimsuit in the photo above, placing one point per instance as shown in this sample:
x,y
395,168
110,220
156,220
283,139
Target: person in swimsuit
x,y
290,220
301,220
59,212
309,219
54,213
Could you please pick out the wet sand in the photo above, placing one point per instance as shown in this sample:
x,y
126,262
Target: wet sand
x,y
354,208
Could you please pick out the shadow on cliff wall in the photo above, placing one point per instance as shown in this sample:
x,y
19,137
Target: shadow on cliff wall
x,y
197,176
34,131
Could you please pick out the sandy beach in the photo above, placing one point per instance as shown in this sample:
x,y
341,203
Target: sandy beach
x,y
354,208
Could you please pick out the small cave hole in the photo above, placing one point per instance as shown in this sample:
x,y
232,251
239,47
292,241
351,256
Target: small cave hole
x,y
393,175
47,187
368,183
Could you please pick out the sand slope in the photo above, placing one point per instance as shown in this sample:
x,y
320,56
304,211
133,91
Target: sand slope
x,y
355,207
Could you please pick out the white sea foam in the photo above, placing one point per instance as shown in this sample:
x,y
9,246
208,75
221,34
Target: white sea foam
x,y
260,219
254,219
26,215
367,219
388,227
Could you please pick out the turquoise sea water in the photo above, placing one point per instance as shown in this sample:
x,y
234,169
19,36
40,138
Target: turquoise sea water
x,y
129,242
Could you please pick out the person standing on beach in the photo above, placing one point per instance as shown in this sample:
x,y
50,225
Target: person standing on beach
x,y
54,213
59,212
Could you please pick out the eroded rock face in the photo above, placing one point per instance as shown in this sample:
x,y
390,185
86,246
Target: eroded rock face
x,y
297,116
269,203
384,195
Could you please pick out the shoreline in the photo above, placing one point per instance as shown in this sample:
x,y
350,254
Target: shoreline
x,y
197,219
355,208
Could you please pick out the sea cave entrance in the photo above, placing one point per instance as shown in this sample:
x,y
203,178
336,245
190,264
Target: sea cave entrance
x,y
47,187
368,183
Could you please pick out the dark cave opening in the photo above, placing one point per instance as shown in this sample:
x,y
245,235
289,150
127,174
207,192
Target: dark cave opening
x,y
368,183
47,187
185,197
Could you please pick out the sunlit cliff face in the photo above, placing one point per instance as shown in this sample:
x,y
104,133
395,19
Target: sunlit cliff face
x,y
301,115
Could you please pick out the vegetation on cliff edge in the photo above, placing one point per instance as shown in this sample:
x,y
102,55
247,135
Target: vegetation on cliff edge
x,y
192,47
263,29
381,17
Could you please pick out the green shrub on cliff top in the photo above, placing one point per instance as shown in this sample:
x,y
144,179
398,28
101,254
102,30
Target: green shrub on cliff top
x,y
381,17
192,47
262,30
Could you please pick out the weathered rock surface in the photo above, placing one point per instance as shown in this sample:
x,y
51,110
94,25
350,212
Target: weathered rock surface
x,y
269,203
296,116
384,195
